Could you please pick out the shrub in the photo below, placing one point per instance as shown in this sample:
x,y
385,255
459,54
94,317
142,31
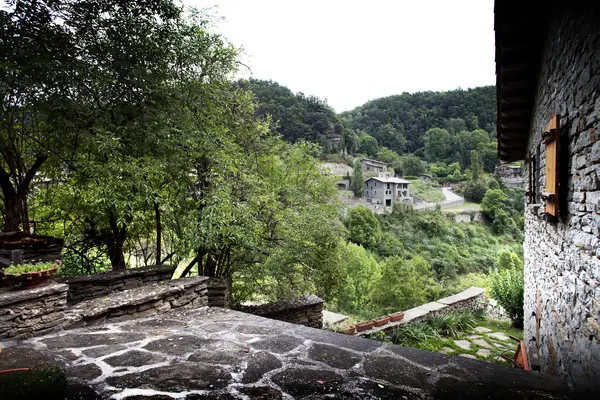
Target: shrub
x,y
507,287
411,335
474,191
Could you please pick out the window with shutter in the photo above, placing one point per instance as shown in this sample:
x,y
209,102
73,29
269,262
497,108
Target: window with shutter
x,y
552,140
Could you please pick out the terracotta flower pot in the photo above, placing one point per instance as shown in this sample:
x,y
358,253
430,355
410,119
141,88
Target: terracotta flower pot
x,y
381,321
28,279
364,326
351,330
395,317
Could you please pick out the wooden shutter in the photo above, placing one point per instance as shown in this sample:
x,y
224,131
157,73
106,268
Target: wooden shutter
x,y
552,141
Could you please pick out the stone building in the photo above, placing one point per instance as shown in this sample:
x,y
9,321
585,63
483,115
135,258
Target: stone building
x,y
511,175
548,94
383,190
373,166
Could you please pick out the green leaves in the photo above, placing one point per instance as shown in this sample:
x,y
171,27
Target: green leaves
x,y
507,286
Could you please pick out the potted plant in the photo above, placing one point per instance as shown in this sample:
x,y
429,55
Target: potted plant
x,y
381,321
397,316
28,275
351,330
364,326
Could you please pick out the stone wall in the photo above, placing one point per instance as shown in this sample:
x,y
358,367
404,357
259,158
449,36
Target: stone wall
x,y
148,300
87,287
470,299
31,312
307,311
219,292
562,269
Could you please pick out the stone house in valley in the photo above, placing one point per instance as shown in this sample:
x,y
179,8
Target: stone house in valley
x,y
373,166
511,175
385,191
548,96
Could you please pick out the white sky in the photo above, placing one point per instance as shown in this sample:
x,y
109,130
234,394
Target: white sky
x,y
349,52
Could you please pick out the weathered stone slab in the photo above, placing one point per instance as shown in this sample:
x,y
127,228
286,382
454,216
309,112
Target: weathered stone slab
x,y
277,344
433,306
259,364
134,358
499,336
470,293
334,356
463,344
481,329
484,353
179,344
304,382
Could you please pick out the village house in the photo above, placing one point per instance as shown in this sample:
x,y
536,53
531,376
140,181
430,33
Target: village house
x,y
384,190
511,175
373,166
548,95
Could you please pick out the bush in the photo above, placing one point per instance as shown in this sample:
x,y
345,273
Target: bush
x,y
410,178
474,191
507,287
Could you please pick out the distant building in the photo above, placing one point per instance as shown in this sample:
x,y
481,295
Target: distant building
x,y
511,175
344,184
385,191
369,165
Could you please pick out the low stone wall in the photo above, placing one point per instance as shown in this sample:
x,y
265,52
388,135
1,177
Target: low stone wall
x,y
144,301
306,310
88,287
467,300
219,292
31,312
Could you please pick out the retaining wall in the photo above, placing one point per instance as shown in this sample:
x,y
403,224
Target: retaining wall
x,y
307,311
88,287
467,300
219,292
144,301
31,312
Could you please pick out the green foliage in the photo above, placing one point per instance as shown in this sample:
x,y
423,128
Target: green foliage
x,y
452,325
437,144
358,180
411,335
359,279
414,114
363,226
506,259
475,191
428,191
507,286
475,166
368,145
412,165
18,269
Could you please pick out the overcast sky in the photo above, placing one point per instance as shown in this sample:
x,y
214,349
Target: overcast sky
x,y
349,52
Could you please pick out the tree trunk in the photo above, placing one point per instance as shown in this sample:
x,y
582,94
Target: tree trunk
x,y
158,233
114,243
12,212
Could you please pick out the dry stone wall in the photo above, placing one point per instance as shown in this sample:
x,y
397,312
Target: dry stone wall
x,y
307,311
144,301
219,292
32,312
88,287
562,269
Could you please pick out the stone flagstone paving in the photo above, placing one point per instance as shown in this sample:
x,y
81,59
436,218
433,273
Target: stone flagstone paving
x,y
223,354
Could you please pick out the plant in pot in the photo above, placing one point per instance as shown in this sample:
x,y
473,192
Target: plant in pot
x,y
397,316
364,326
28,275
381,321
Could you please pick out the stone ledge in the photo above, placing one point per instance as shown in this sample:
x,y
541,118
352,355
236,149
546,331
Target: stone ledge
x,y
13,296
118,275
155,297
284,305
464,295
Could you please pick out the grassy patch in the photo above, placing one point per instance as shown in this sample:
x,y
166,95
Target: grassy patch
x,y
428,191
467,206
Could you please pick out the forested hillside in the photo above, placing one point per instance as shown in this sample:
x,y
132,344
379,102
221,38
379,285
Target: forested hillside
x,y
296,116
399,122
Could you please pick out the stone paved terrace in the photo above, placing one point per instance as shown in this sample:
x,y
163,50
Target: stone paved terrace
x,y
223,354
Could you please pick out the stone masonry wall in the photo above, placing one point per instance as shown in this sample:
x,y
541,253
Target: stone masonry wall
x,y
219,292
87,287
139,302
307,311
562,269
32,312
